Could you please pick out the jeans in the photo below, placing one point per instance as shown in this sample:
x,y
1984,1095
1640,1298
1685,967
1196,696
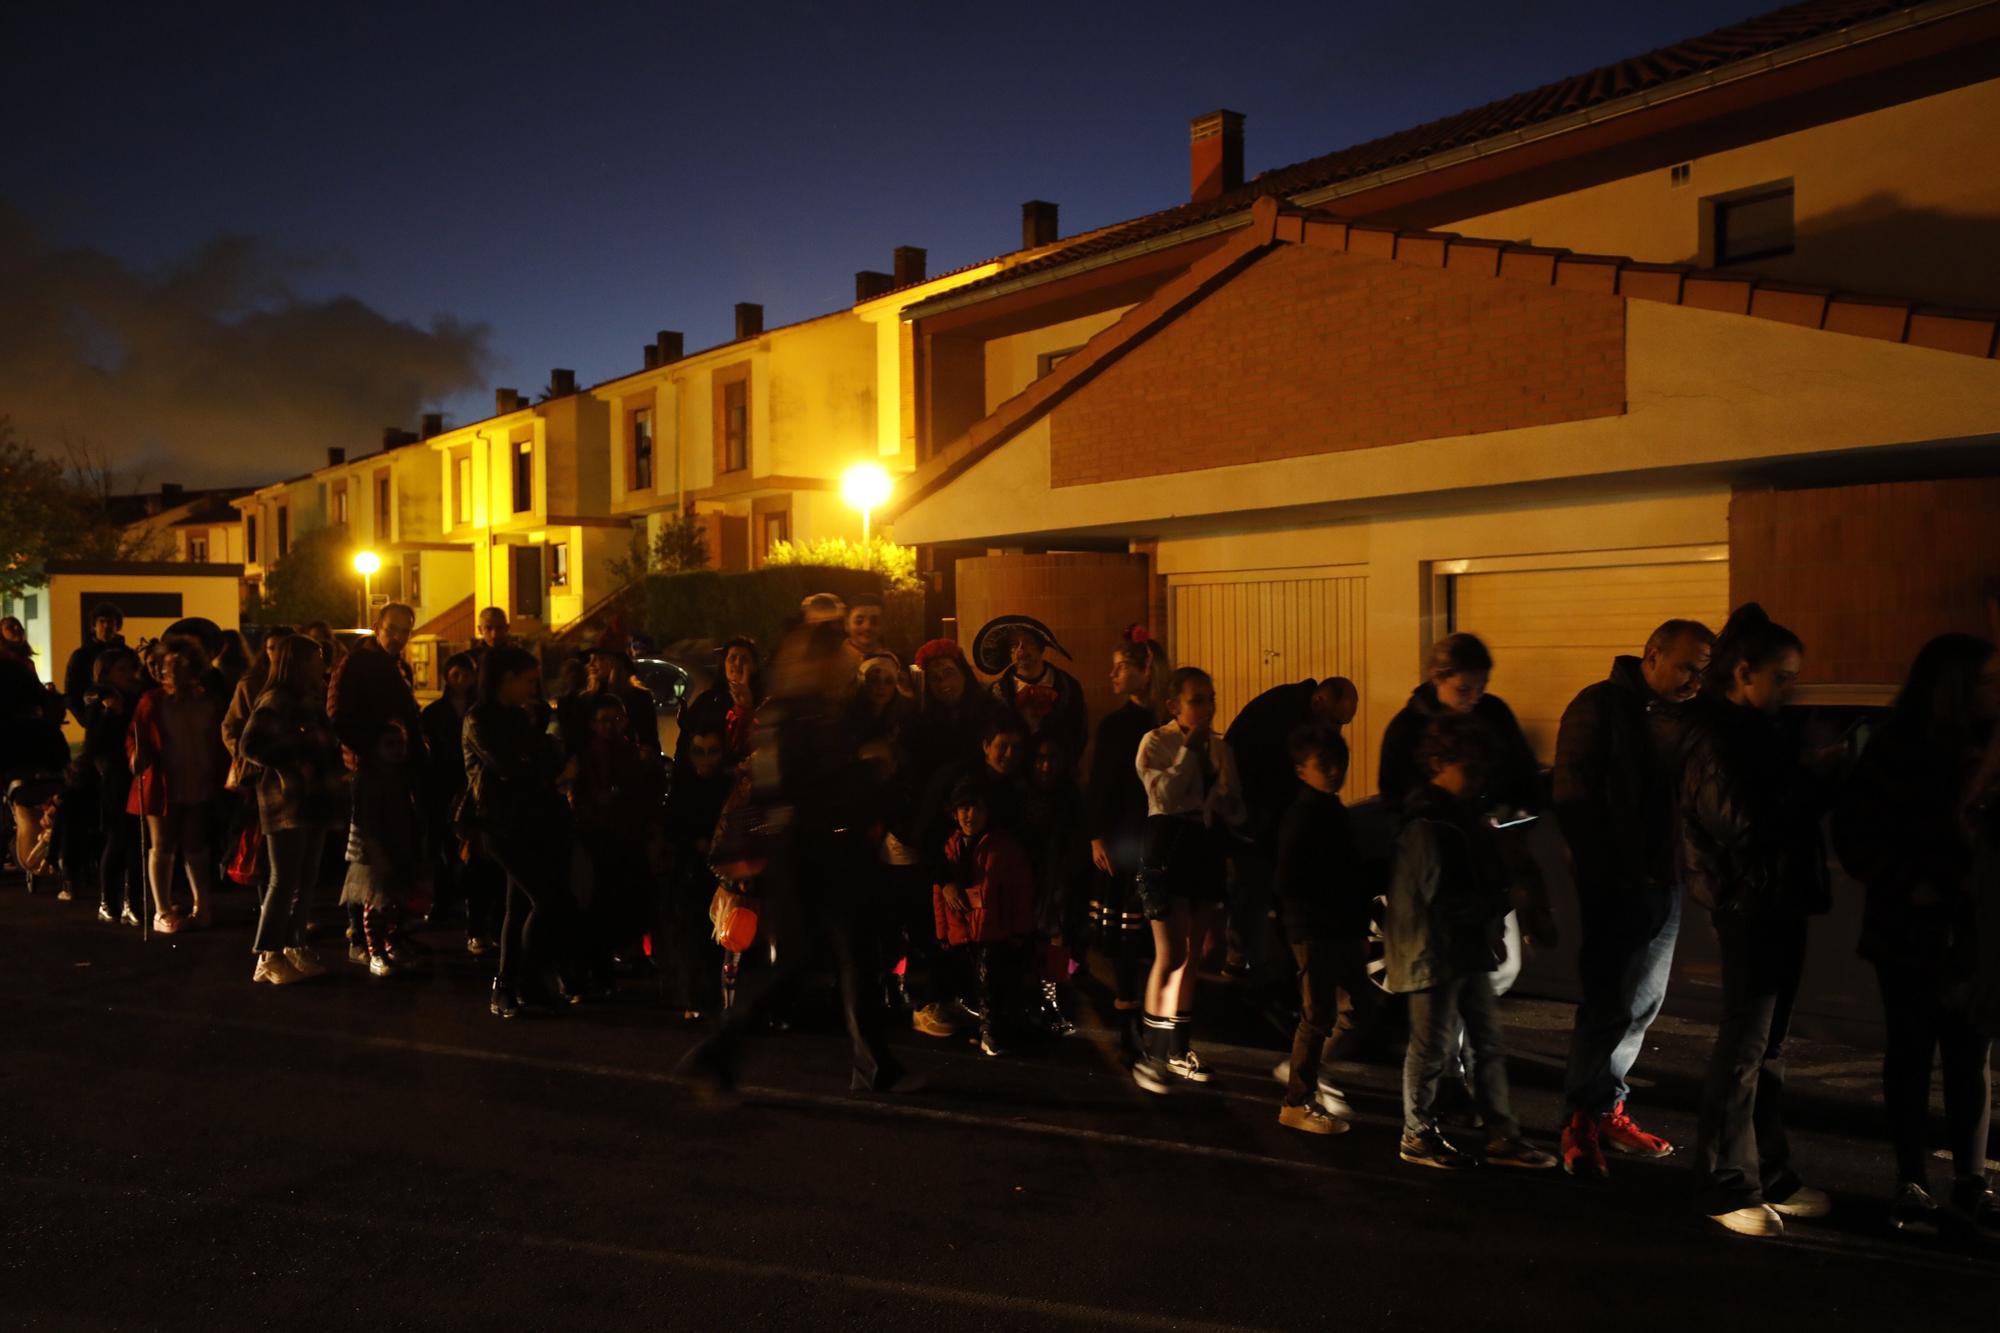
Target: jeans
x,y
1435,1015
1921,1025
540,924
1741,1156
292,874
1623,966
1336,1000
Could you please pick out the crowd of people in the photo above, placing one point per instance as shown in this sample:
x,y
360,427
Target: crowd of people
x,y
955,854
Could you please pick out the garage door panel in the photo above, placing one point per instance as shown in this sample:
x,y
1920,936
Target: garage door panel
x,y
1554,631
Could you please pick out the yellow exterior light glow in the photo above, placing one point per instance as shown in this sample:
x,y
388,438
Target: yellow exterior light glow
x,y
865,487
366,563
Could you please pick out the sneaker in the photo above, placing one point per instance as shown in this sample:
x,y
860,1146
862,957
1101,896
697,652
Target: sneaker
x,y
1620,1134
166,925
358,953
1756,1220
106,915
1912,1204
476,946
128,917
380,966
1805,1201
1190,1067
274,968
1334,1102
304,963
63,894
1311,1120
1519,1154
990,1045
1431,1148
1151,1075
1282,1071
931,1021
1582,1150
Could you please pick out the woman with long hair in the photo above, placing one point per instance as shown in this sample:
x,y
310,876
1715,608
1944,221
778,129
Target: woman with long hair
x,y
291,758
1750,853
178,766
121,872
1192,793
1897,829
730,702
511,767
1115,814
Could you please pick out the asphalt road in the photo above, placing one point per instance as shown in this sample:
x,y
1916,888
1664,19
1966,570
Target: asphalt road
x,y
182,1150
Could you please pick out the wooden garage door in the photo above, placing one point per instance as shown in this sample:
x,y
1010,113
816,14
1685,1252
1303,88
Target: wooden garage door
x,y
1554,631
1253,630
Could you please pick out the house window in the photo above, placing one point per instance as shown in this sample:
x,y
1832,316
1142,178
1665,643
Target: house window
x,y
772,528
1753,224
465,489
642,450
31,608
382,533
1680,175
284,530
250,538
1048,361
413,585
198,550
340,503
733,427
559,565
524,476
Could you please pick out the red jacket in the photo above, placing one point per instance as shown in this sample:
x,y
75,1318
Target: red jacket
x,y
149,767
998,884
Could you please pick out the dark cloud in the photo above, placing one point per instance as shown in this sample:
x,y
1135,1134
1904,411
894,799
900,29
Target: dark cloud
x,y
214,371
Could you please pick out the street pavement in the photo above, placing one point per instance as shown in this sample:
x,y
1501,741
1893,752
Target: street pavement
x,y
182,1150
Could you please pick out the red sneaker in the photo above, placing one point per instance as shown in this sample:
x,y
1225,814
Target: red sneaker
x,y
1619,1132
1582,1154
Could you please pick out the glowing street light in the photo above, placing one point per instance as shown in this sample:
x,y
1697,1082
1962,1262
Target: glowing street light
x,y
365,564
865,487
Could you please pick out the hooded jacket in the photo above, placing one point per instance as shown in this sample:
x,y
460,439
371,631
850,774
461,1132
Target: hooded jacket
x,y
1447,894
1515,778
993,872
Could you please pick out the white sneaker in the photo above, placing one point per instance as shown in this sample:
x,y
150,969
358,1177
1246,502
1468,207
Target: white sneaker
x,y
274,968
1334,1102
1310,1119
1191,1068
1757,1220
381,966
304,963
1150,1075
1282,1071
1806,1202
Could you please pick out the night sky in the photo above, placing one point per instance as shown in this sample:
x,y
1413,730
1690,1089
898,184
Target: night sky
x,y
231,237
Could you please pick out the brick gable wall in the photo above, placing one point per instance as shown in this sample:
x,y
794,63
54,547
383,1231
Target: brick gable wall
x,y
1307,352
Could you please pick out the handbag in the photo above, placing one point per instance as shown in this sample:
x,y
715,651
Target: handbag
x,y
734,917
246,862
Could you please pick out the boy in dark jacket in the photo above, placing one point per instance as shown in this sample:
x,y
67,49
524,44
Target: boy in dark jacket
x,y
1324,905
1447,899
986,907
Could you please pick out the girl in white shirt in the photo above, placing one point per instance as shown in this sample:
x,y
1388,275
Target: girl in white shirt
x,y
1192,793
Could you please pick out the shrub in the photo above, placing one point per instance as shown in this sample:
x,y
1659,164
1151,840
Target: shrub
x,y
896,564
708,604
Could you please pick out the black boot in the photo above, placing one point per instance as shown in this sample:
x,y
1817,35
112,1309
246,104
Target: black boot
x,y
503,1004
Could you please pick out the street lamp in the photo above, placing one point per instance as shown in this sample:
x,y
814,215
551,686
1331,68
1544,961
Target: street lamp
x,y
365,564
865,487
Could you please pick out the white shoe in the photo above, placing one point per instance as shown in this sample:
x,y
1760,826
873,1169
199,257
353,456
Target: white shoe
x,y
1310,1119
380,966
1756,1220
1190,1067
274,968
1334,1102
304,963
1282,1071
1806,1202
1150,1075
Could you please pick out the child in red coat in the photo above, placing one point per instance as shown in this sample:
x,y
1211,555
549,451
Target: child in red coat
x,y
988,908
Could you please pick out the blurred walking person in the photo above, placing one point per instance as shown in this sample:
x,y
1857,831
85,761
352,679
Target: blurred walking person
x,y
291,759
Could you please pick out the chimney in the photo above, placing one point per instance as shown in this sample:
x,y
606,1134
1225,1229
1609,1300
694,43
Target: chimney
x,y
433,424
749,319
562,383
335,456
1038,224
869,284
171,492
1215,154
909,265
395,437
650,353
505,401
670,343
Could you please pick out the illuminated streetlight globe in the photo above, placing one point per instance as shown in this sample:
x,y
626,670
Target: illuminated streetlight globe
x,y
366,562
864,486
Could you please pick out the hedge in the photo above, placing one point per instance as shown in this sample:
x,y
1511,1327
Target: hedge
x,y
711,605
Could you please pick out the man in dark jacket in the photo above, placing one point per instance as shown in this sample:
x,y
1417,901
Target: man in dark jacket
x,y
370,687
1260,738
1617,775
105,623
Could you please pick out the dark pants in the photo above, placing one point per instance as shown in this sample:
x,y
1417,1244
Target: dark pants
x,y
802,920
77,832
998,968
484,886
686,936
539,929
1741,1155
1336,1002
1622,967
121,873
1437,1016
911,932
1920,1026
